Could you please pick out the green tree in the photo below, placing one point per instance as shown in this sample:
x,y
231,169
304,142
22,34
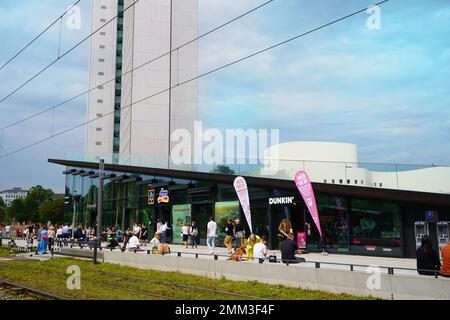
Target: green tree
x,y
17,211
52,210
222,169
2,210
36,196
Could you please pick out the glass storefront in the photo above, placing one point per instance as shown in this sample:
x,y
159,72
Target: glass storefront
x,y
375,227
334,224
349,225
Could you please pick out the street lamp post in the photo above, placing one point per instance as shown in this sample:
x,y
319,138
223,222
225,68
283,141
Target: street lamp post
x,y
101,176
74,200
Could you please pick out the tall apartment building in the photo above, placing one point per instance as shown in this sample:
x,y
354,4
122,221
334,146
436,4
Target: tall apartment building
x,y
140,128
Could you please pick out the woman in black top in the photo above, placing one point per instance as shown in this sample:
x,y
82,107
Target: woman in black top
x,y
427,258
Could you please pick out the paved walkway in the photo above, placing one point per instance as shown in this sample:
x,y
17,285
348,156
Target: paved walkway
x,y
311,258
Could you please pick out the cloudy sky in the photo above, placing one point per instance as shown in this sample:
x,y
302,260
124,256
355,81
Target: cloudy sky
x,y
385,90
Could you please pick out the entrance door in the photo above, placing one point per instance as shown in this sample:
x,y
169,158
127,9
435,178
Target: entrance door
x,y
164,214
201,214
294,213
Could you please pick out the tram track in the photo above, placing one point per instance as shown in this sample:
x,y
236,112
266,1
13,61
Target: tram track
x,y
103,283
134,280
17,289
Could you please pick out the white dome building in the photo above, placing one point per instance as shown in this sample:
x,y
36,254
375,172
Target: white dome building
x,y
337,163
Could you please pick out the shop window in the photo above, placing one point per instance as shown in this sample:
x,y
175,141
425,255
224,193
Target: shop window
x,y
375,227
334,223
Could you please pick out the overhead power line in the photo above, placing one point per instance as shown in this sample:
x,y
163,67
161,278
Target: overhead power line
x,y
195,78
39,35
60,104
64,54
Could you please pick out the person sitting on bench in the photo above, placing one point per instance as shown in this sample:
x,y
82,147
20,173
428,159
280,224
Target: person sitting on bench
x,y
288,249
133,243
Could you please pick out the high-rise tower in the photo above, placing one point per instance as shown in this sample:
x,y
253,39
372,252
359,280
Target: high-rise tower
x,y
138,129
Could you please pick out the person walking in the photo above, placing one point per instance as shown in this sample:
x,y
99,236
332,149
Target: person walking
x,y
428,261
43,241
193,232
51,237
158,226
239,233
229,230
164,229
7,231
211,230
185,234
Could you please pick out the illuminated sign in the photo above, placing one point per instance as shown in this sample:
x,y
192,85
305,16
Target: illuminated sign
x,y
163,196
151,196
281,200
431,216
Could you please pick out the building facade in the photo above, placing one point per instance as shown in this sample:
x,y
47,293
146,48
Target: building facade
x,y
9,196
354,219
144,52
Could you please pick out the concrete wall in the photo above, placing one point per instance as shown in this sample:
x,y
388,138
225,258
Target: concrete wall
x,y
307,277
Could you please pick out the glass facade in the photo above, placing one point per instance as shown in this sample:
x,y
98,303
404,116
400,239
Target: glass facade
x,y
375,226
349,225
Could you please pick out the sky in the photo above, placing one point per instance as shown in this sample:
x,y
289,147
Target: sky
x,y
385,90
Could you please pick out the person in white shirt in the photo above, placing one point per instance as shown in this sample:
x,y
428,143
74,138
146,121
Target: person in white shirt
x,y
211,235
185,234
260,249
136,230
158,226
133,243
164,229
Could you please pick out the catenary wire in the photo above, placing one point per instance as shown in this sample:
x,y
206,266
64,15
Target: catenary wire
x,y
39,35
64,54
195,78
137,68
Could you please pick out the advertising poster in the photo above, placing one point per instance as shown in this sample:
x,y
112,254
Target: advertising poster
x,y
223,212
180,215
301,240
